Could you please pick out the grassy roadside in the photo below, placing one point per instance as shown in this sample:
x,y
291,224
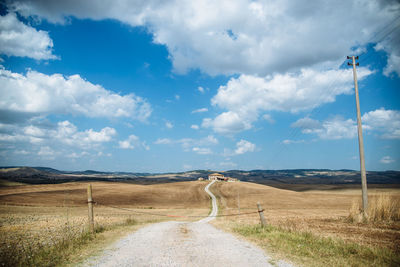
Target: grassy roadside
x,y
102,240
308,249
69,249
46,225
307,236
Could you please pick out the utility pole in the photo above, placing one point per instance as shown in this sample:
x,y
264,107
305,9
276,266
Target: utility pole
x,y
360,139
90,206
238,200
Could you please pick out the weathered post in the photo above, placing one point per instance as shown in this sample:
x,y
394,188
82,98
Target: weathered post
x,y
90,206
238,200
360,140
262,219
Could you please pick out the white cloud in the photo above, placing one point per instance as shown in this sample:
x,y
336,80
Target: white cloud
x,y
67,133
335,128
201,89
202,150
244,146
37,93
195,127
51,141
18,39
163,141
307,125
386,122
34,131
132,142
247,96
169,125
177,97
200,110
289,142
387,160
227,123
392,47
46,152
250,37
188,144
268,118
75,155
64,133
129,143
104,135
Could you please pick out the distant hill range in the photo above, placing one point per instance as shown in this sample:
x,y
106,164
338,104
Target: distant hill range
x,y
279,178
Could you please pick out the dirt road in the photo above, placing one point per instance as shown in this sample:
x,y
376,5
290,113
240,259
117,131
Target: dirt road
x,y
183,244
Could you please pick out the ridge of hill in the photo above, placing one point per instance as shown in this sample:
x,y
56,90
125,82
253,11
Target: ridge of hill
x,y
40,175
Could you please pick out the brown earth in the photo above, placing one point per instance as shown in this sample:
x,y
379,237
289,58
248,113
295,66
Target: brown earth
x,y
24,208
323,212
33,216
176,195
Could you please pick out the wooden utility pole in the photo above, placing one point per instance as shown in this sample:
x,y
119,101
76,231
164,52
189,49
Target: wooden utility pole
x,y
90,206
261,213
238,200
360,140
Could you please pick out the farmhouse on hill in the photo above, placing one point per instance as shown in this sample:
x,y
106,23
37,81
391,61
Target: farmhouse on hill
x,y
221,177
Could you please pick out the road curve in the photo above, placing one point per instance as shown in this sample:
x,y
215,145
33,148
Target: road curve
x,y
183,244
214,210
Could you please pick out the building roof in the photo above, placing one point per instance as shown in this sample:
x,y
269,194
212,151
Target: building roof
x,y
215,174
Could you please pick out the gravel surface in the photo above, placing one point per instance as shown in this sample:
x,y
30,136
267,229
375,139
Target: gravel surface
x,y
183,244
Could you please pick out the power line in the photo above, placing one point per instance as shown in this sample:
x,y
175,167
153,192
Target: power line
x,y
378,37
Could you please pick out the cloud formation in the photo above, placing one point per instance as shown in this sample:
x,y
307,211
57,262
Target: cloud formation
x,y
132,142
247,96
386,160
200,110
18,39
202,150
244,146
169,125
387,122
200,146
37,93
384,122
254,37
51,141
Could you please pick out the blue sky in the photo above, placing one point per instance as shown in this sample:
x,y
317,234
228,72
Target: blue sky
x,y
175,86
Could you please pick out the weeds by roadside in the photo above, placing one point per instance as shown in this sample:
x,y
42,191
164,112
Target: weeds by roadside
x,y
33,252
381,208
312,250
22,250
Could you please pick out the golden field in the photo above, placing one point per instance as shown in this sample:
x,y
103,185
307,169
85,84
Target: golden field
x,y
322,212
36,216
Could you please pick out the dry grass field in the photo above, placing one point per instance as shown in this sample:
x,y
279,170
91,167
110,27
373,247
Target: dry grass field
x,y
324,213
36,217
33,217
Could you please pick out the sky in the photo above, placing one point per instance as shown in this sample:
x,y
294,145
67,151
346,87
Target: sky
x,y
168,86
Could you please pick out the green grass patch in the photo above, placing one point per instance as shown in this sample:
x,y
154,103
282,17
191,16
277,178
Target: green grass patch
x,y
311,250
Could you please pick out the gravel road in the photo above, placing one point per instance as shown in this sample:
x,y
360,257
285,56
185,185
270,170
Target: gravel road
x,y
183,244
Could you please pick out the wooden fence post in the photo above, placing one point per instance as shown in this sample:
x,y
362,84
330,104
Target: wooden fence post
x,y
262,219
90,206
